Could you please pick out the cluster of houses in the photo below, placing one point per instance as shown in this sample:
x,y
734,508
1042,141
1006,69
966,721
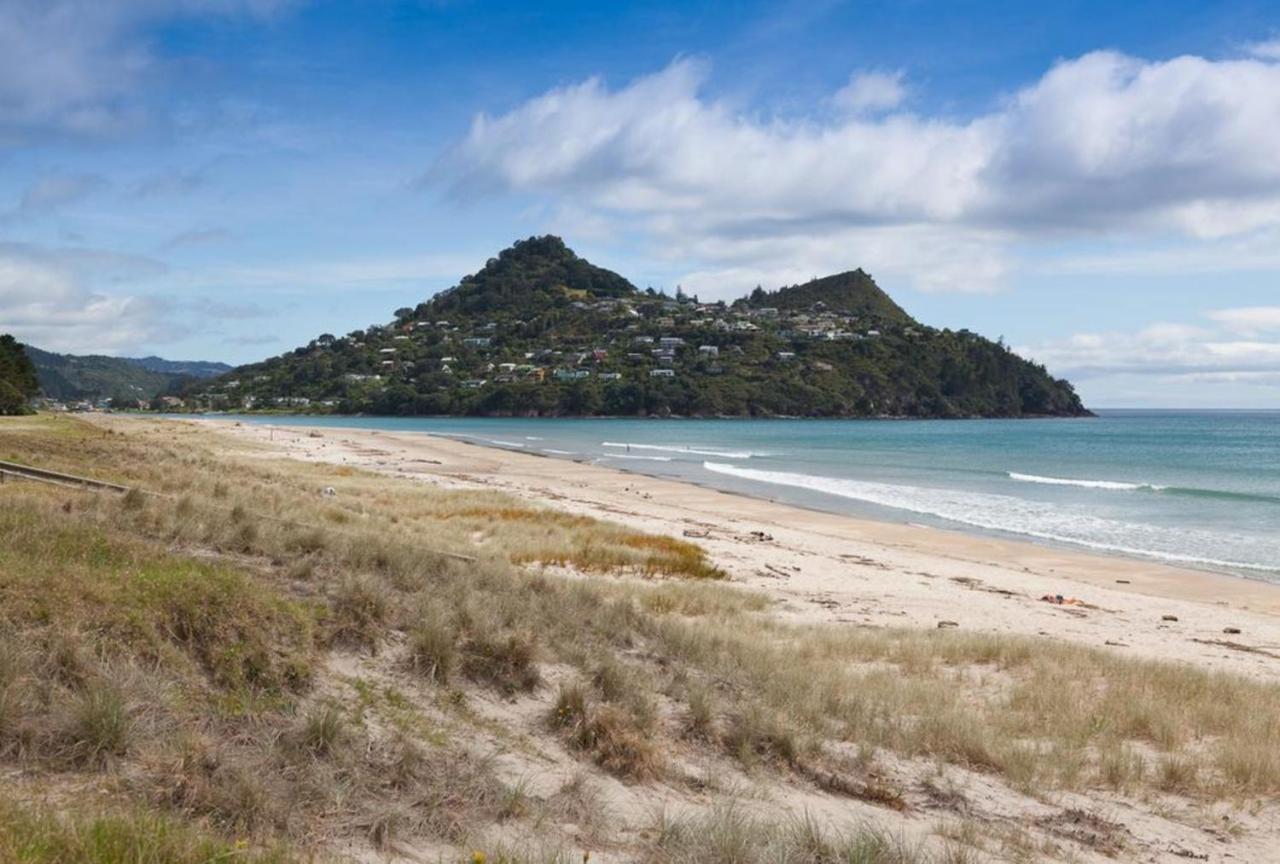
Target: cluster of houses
x,y
638,338
661,351
106,403
78,406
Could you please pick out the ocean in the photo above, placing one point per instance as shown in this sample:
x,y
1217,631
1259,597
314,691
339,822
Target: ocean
x,y
1194,488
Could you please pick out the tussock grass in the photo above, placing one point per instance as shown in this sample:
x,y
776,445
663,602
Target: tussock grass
x,y
359,610
99,726
225,598
728,835
1051,714
614,738
62,578
433,647
505,660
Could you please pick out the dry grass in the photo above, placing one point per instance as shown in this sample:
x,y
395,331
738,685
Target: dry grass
x,y
175,644
1042,714
728,835
615,739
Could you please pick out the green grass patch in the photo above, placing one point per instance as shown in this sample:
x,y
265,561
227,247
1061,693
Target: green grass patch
x,y
39,836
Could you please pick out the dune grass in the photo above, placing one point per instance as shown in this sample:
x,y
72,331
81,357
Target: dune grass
x,y
174,641
41,836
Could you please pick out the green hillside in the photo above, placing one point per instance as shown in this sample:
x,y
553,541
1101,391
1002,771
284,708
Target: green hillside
x,y
852,293
541,332
71,377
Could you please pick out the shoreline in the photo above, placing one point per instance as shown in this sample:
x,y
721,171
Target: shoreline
x,y
852,508
828,567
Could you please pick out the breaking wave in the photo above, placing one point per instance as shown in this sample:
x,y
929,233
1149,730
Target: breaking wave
x,y
1043,521
1116,485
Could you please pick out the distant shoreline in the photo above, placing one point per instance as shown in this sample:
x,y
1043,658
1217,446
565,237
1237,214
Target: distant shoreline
x,y
862,510
1090,415
937,538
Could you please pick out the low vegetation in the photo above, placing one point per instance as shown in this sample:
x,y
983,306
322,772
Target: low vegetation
x,y
41,836
236,649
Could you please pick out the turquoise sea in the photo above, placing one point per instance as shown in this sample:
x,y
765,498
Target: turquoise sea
x,y
1200,489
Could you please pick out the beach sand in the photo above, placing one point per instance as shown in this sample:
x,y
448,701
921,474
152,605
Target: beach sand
x,y
826,567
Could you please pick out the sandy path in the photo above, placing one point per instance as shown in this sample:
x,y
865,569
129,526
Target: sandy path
x,y
834,568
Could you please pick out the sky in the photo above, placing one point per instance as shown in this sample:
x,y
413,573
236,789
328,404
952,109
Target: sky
x,y
1096,182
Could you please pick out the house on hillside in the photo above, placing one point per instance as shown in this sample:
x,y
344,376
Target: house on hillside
x,y
662,373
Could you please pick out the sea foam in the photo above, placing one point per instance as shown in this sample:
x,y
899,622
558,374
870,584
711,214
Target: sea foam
x,y
692,451
1114,485
1043,521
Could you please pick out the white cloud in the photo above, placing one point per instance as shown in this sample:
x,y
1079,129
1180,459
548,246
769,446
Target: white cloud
x,y
72,66
1233,350
1268,50
90,301
871,91
1249,320
49,301
1102,145
923,256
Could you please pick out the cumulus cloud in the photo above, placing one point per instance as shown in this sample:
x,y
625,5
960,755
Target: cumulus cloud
x,y
1249,320
87,301
49,299
1225,350
1268,50
1103,143
871,91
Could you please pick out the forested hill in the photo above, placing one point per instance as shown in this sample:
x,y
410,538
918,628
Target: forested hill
x,y
540,331
852,293
124,380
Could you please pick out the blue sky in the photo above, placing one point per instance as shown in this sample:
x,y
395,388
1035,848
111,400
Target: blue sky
x,y
1099,183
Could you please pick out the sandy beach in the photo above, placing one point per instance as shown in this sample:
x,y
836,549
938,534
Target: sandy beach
x,y
834,568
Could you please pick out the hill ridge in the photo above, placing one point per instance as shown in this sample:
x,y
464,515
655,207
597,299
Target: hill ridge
x,y
123,380
539,331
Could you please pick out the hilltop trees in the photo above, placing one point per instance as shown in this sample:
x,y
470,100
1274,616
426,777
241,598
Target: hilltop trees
x,y
17,377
